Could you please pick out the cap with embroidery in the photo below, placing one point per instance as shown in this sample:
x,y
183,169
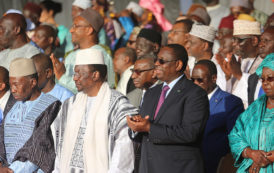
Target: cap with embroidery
x,y
136,8
84,4
204,32
245,27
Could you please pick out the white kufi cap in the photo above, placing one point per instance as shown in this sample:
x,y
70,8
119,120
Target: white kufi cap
x,y
89,56
84,4
204,32
245,27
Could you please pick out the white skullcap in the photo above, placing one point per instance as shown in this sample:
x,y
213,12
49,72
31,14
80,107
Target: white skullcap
x,y
240,3
84,4
136,8
30,24
89,56
245,27
20,67
204,32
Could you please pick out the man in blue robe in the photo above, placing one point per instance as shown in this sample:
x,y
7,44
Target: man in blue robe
x,y
26,142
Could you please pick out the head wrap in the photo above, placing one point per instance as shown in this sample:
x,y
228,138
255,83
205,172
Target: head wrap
x,y
84,4
204,32
202,14
240,3
135,8
157,8
268,62
150,35
89,56
246,17
244,27
20,67
227,22
94,18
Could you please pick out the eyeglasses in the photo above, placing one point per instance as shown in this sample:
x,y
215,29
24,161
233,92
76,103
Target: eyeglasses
x,y
161,61
268,79
138,72
199,80
78,26
240,40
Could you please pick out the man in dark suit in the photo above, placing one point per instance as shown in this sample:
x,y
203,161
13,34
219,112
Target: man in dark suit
x,y
172,118
224,110
266,46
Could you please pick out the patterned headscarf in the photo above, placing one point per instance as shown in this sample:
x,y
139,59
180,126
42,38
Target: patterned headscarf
x,y
268,62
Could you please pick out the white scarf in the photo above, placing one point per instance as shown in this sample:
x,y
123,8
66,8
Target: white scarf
x,y
95,147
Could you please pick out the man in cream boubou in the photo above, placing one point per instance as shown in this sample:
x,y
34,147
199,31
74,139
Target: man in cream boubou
x,y
91,134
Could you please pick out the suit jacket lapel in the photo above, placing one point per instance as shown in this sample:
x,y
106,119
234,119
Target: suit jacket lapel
x,y
178,88
154,102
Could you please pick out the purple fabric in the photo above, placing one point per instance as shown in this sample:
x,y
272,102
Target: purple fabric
x,y
161,100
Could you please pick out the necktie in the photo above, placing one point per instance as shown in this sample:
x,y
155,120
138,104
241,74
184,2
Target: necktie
x,y
261,92
161,100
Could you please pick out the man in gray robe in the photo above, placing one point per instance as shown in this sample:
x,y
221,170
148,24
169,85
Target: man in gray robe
x,y
91,126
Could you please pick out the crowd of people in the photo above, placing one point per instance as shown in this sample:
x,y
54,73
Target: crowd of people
x,y
129,92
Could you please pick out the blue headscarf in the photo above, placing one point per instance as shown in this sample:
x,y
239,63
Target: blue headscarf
x,y
268,62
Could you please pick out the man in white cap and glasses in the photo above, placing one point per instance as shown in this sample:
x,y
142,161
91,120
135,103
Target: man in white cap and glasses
x,y
26,143
245,42
200,45
92,124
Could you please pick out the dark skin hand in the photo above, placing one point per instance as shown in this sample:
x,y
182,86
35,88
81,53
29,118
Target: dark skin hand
x,y
234,66
138,124
58,67
270,156
254,168
259,158
224,65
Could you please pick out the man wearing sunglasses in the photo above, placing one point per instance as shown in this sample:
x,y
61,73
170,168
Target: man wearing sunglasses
x,y
245,42
172,118
224,110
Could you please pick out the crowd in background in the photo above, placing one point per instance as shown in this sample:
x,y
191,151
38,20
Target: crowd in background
x,y
131,92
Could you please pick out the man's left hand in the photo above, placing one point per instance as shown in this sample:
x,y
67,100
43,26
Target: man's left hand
x,y
138,124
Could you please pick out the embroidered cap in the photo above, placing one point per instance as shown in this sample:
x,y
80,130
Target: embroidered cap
x,y
205,32
136,8
22,67
89,56
244,27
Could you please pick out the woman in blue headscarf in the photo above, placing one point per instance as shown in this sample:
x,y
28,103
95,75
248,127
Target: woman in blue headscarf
x,y
252,138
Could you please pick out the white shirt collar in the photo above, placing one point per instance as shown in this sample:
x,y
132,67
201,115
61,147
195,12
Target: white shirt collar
x,y
212,93
4,100
172,84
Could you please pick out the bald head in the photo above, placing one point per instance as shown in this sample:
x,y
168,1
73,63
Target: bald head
x,y
13,27
45,36
4,79
42,61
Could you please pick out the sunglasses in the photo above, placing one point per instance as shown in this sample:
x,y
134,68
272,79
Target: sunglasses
x,y
268,79
138,72
161,61
240,40
199,80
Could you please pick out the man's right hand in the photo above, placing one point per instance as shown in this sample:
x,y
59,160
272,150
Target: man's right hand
x,y
58,67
